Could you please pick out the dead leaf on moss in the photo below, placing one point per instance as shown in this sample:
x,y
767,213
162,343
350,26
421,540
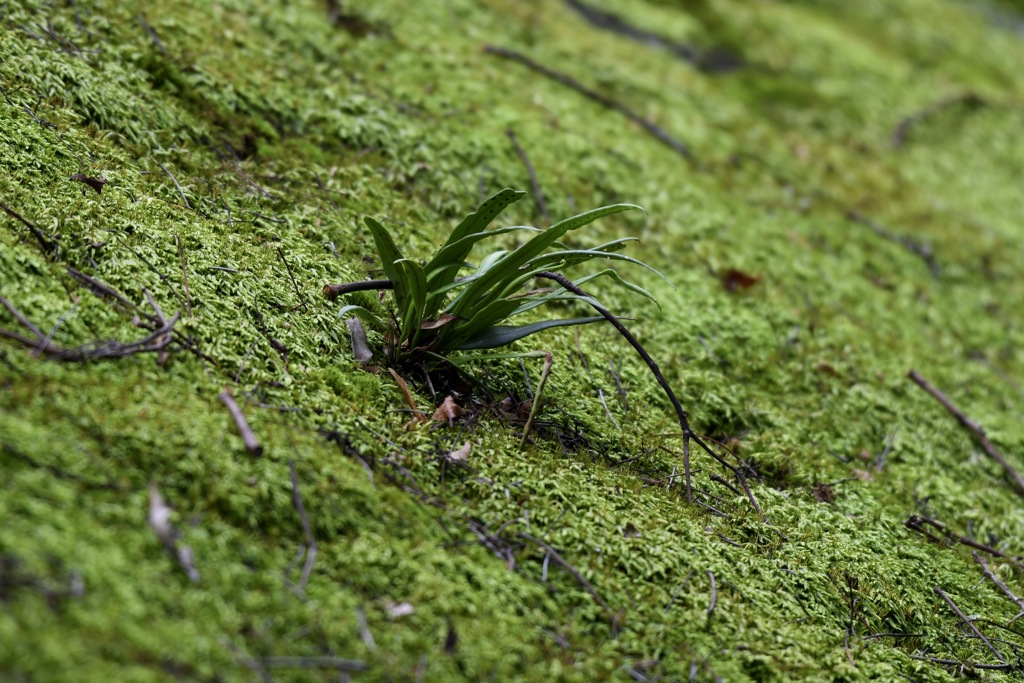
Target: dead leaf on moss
x,y
863,475
461,454
95,183
442,320
735,280
448,411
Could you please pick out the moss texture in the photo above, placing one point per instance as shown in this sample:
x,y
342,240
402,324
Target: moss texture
x,y
239,139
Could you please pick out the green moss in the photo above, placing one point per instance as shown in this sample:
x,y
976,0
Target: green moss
x,y
282,130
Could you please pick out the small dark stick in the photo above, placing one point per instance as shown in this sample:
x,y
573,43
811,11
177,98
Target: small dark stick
x,y
311,547
298,291
714,593
248,438
994,578
656,131
942,594
971,426
534,183
684,423
175,181
334,291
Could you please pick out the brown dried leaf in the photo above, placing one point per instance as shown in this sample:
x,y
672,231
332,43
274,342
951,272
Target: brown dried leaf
x,y
448,411
418,415
95,183
734,279
462,454
440,322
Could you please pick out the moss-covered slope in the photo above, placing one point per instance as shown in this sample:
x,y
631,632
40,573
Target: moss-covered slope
x,y
860,162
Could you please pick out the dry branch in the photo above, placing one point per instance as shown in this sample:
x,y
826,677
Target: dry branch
x,y
248,438
656,131
973,427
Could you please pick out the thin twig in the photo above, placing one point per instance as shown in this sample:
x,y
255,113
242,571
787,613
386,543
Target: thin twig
x,y
973,427
994,578
568,567
534,183
175,180
302,299
684,423
184,276
880,460
902,130
417,413
918,523
949,601
965,665
923,251
248,438
656,131
714,593
334,291
548,361
45,242
311,547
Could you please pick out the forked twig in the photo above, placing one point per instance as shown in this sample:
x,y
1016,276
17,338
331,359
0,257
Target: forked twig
x,y
949,601
973,427
994,578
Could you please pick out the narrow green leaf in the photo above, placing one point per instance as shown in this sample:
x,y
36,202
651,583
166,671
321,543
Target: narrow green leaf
x,y
502,335
485,213
412,315
524,254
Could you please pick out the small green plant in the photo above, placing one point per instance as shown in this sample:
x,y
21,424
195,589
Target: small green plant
x,y
448,304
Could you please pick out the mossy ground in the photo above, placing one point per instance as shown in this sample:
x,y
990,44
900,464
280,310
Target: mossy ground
x,y
282,129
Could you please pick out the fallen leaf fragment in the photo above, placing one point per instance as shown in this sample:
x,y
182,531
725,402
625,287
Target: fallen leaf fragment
x,y
95,183
360,347
448,410
734,279
461,454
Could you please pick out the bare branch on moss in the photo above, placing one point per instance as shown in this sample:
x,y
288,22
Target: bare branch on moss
x,y
918,524
973,427
160,522
332,292
311,547
684,423
252,444
176,184
901,132
714,593
919,249
47,244
572,570
538,194
302,299
156,341
994,578
949,601
656,131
